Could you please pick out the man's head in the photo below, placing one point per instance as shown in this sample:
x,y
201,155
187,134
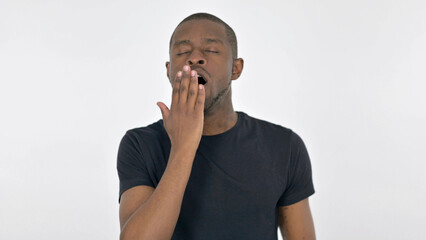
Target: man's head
x,y
209,46
232,38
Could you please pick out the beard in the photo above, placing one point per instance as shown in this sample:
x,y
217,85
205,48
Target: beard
x,y
212,102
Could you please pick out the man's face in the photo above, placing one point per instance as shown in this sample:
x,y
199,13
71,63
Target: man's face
x,y
203,45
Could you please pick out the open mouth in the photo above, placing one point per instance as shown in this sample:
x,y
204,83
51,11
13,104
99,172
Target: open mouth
x,y
201,80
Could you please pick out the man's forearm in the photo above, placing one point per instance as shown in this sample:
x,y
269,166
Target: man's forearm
x,y
156,218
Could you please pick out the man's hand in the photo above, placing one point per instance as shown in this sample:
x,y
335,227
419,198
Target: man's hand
x,y
185,119
148,213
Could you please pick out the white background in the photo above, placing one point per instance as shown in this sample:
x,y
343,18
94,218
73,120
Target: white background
x,y
347,76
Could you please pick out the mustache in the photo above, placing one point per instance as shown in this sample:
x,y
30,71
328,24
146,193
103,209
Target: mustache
x,y
203,72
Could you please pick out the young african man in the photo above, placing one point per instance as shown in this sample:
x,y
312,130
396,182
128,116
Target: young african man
x,y
206,171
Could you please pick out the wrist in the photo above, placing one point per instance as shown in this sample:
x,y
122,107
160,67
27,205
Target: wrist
x,y
183,152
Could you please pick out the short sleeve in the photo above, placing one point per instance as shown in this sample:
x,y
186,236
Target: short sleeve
x,y
299,182
131,167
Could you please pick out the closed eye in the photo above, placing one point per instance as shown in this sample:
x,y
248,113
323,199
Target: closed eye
x,y
211,51
181,53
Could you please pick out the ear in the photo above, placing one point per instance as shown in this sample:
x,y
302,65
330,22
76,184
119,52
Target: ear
x,y
238,68
168,70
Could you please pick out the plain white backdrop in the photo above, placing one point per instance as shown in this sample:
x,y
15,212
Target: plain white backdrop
x,y
347,76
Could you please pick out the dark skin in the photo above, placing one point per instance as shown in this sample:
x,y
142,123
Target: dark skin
x,y
204,46
198,47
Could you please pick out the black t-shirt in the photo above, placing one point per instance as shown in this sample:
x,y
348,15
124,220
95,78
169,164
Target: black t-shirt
x,y
238,180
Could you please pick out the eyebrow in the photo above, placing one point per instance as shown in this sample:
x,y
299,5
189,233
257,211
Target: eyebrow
x,y
187,42
181,42
212,40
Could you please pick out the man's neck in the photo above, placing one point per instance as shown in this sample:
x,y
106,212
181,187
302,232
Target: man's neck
x,y
220,121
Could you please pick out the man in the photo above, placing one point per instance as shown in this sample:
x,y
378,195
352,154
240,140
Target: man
x,y
205,171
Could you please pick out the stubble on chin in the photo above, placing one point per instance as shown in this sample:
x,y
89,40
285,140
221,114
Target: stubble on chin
x,y
209,105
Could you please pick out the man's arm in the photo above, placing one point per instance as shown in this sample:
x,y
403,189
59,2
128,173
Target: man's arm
x,y
155,217
146,213
295,221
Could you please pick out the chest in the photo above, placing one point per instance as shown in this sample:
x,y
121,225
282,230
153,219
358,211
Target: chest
x,y
241,181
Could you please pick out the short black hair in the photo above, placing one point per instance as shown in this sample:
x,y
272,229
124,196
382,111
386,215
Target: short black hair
x,y
230,34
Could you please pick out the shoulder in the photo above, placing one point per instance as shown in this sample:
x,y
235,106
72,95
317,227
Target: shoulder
x,y
154,130
146,135
266,127
272,132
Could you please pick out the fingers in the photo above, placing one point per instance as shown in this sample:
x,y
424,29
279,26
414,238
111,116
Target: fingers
x,y
164,110
199,104
193,89
186,90
175,93
184,85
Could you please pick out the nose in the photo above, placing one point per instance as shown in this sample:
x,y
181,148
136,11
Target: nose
x,y
196,58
